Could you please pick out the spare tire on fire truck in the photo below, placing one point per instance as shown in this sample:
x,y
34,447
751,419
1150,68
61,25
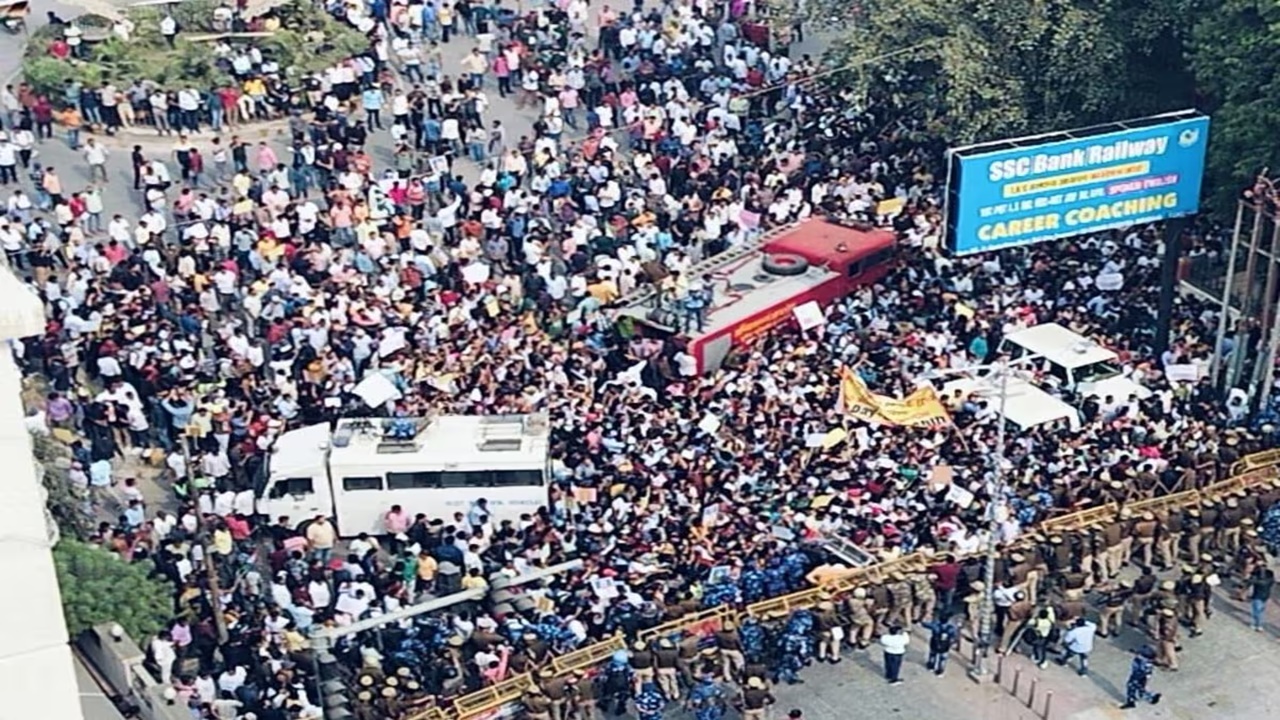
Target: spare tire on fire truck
x,y
785,264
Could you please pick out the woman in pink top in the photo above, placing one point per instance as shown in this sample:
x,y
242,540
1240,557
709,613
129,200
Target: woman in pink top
x,y
267,160
502,71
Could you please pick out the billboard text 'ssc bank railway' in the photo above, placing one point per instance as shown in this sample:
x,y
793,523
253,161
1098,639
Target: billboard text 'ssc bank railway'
x,y
1028,190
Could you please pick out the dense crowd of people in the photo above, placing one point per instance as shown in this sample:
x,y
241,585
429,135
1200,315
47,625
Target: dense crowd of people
x,y
255,291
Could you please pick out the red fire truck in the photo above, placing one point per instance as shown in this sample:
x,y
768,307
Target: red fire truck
x,y
757,287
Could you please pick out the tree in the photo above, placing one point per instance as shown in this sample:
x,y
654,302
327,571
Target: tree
x,y
99,587
981,70
65,502
1235,55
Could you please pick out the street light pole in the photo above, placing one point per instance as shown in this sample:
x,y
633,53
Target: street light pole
x,y
996,491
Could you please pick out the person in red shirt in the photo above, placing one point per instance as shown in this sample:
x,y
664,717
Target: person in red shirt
x,y
947,577
60,49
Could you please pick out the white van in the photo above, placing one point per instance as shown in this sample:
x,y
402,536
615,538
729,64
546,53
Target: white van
x,y
1025,404
436,466
1073,361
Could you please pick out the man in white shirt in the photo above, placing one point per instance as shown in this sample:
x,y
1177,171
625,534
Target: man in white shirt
x,y
894,643
1078,642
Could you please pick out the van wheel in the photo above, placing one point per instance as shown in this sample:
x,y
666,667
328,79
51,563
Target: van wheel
x,y
785,264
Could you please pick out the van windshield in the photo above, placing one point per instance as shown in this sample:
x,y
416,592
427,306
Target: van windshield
x,y
1096,372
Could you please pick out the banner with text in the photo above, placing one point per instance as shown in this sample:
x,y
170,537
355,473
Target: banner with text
x,y
922,408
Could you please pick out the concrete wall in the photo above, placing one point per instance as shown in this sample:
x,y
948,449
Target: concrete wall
x,y
37,677
119,663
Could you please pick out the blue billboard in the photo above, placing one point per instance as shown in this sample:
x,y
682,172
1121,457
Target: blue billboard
x,y
1024,191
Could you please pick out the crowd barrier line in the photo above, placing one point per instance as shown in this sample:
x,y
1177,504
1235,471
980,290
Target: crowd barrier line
x,y
1248,472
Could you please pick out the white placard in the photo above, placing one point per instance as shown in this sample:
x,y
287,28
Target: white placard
x,y
809,315
476,273
605,588
960,496
1183,372
814,440
376,390
709,424
1109,281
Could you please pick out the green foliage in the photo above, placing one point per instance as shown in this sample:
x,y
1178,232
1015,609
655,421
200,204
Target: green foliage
x,y
98,587
65,502
989,69
309,40
1235,54
979,70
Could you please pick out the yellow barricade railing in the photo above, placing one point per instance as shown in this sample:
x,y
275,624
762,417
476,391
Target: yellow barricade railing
x,y
1266,458
703,622
491,698
1079,519
1248,472
589,656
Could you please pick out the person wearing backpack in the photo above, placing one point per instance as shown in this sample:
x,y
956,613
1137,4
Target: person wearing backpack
x,y
944,636
1041,630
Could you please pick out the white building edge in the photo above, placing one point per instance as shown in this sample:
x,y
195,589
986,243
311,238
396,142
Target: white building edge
x,y
37,676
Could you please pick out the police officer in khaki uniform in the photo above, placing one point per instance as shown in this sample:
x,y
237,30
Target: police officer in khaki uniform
x,y
666,666
829,632
1201,593
926,598
556,691
1228,540
1019,613
1167,634
973,608
1112,535
1020,576
900,600
1111,612
1169,537
1144,538
536,704
641,666
862,624
1126,537
1209,514
583,695
880,606
730,645
687,658
755,700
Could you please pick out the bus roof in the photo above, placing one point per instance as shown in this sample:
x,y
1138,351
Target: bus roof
x,y
295,452
448,441
828,243
1060,346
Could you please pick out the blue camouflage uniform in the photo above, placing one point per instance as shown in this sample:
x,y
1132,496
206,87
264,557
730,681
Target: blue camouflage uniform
x,y
754,640
650,703
707,700
753,585
1136,688
775,579
790,658
795,566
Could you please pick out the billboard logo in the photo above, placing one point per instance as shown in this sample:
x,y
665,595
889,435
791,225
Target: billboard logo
x,y
1188,137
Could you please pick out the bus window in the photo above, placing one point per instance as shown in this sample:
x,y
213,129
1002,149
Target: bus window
x,y
464,478
878,257
855,268
412,480
292,486
514,478
361,483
